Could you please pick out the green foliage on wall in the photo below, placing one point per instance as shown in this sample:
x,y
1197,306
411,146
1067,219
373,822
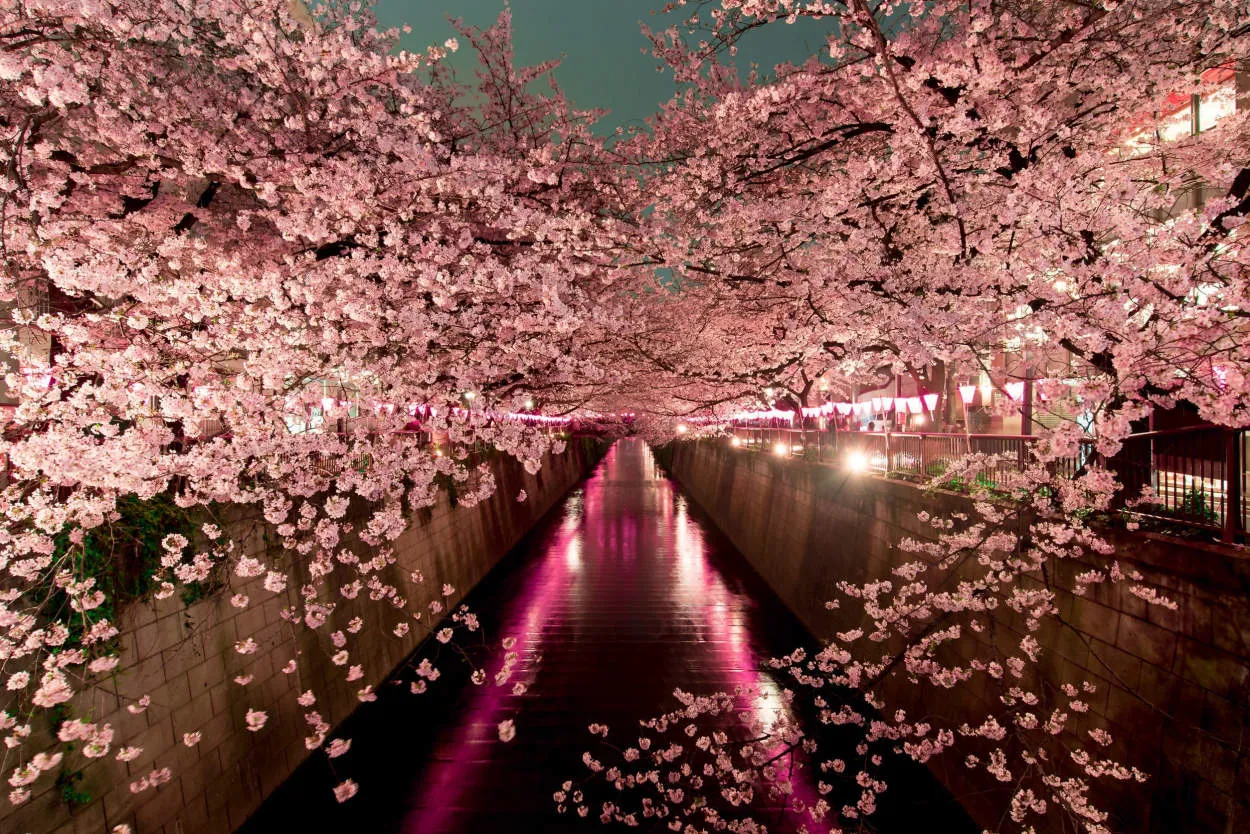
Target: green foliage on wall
x,y
123,557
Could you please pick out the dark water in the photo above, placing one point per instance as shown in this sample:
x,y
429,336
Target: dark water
x,y
623,593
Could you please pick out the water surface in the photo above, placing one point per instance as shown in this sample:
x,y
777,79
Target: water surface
x,y
623,593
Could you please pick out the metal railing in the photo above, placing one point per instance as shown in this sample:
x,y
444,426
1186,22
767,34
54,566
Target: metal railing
x,y
1192,476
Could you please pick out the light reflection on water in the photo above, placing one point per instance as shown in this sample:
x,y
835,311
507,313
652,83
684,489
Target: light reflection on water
x,y
621,596
626,558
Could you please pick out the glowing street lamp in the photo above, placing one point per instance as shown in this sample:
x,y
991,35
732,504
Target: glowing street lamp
x,y
857,462
781,449
966,393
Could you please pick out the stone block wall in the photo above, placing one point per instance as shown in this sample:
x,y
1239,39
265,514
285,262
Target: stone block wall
x,y
184,658
1173,686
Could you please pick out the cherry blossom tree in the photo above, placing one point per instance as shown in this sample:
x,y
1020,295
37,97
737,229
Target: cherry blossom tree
x,y
276,255
943,182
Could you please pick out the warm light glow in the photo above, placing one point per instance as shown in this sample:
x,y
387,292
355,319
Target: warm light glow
x,y
682,429
735,441
1219,375
529,403
918,420
469,395
857,462
781,449
42,379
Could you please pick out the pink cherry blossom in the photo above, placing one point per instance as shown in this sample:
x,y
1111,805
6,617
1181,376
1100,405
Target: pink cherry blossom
x,y
345,790
272,283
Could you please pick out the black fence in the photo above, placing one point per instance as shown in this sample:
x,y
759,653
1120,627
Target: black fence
x,y
1192,476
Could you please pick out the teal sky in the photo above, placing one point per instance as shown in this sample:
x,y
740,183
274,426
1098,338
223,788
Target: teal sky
x,y
598,41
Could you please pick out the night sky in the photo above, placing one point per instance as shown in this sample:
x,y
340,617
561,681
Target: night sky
x,y
599,42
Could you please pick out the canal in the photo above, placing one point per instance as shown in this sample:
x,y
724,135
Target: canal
x,y
622,594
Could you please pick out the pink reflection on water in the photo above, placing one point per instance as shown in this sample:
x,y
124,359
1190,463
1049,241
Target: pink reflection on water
x,y
626,563
448,782
726,612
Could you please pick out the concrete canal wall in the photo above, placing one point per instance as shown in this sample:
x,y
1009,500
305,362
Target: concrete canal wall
x,y
184,658
1173,686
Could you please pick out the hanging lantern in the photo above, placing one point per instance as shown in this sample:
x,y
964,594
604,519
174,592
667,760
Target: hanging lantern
x,y
1015,390
931,401
876,405
987,391
900,405
914,406
966,393
845,408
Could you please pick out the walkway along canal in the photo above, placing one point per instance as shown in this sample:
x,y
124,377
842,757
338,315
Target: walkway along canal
x,y
622,594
